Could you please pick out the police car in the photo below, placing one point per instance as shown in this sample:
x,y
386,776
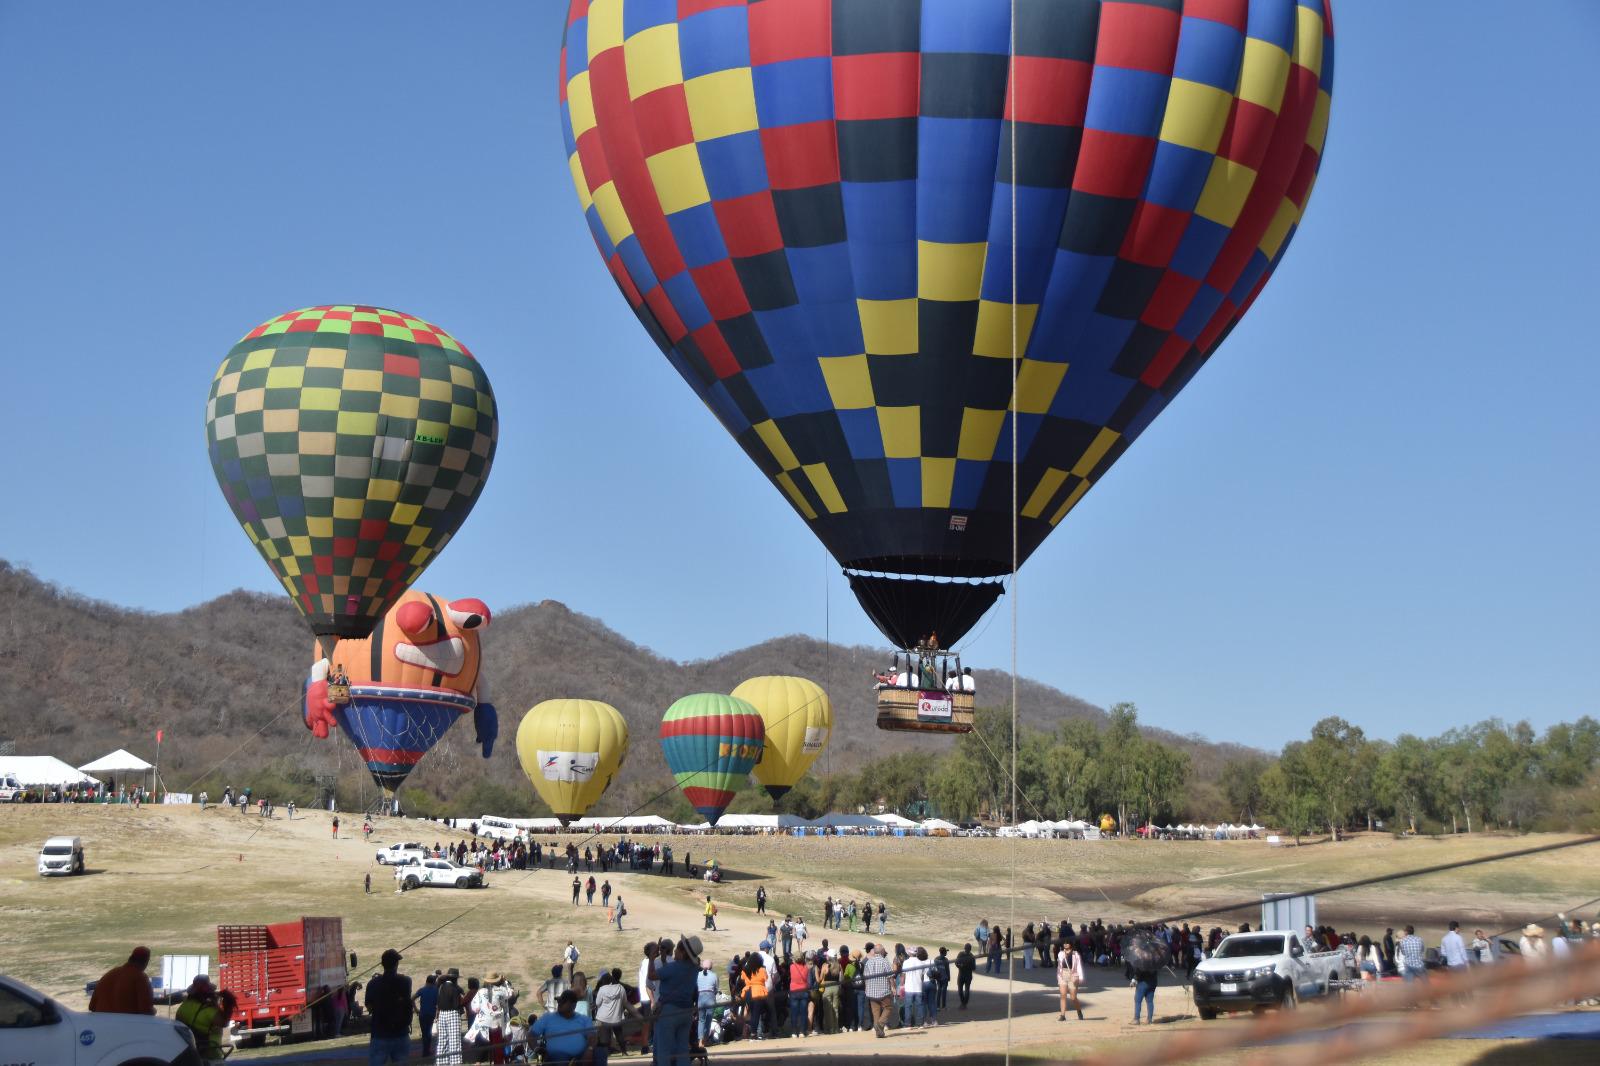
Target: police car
x,y
41,1032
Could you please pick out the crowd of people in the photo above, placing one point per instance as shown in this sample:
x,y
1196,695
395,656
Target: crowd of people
x,y
791,984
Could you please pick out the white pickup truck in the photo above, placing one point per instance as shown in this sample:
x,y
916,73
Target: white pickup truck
x,y
38,1030
1269,968
438,873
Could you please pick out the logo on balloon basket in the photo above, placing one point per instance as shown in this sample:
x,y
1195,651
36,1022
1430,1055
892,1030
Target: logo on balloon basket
x,y
933,707
568,765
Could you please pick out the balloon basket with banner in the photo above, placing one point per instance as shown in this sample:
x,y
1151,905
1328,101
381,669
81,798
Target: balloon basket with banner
x,y
912,710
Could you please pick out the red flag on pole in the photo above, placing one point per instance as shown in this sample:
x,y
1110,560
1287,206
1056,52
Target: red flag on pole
x,y
158,736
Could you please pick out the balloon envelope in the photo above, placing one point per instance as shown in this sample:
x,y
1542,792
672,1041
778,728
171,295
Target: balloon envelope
x,y
798,720
570,750
711,743
419,671
351,443
847,225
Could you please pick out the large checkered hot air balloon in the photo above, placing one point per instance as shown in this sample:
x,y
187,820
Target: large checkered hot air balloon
x,y
848,222
711,743
351,443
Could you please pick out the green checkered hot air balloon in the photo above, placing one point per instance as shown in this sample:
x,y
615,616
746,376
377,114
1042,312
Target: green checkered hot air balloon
x,y
351,443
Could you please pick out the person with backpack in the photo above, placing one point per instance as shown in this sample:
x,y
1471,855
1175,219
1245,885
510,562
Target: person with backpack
x,y
388,1003
941,982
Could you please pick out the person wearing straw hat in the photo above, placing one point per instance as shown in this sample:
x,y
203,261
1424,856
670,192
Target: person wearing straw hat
x,y
676,991
1532,945
490,1009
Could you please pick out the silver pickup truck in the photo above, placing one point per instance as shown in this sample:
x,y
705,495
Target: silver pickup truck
x,y
1270,968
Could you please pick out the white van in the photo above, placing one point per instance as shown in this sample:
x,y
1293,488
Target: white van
x,y
61,856
11,790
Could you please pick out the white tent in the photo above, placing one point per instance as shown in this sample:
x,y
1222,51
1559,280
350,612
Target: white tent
x,y
120,761
936,824
45,771
760,821
646,822
894,820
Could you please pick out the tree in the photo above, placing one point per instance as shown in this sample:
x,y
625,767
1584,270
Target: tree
x,y
1120,771
1403,778
1288,800
1241,785
1336,769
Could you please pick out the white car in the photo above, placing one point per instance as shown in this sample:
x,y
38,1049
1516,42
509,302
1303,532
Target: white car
x,y
1249,971
61,856
39,1030
438,873
396,854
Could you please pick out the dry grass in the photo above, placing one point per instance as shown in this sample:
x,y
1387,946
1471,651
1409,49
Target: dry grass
x,y
166,877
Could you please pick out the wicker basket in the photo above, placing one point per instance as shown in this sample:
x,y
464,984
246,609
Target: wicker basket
x,y
902,709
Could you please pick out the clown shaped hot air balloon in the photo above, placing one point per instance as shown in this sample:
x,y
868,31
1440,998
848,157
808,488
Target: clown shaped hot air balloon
x,y
891,244
798,719
351,443
570,750
397,692
711,743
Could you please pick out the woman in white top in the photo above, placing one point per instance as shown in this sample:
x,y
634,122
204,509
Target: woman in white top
x,y
1069,975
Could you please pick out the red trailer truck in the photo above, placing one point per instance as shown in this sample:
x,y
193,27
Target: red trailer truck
x,y
276,971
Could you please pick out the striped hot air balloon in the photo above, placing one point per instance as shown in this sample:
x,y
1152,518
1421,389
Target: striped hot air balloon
x,y
711,743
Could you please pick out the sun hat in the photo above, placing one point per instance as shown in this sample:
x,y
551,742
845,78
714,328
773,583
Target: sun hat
x,y
493,978
1532,930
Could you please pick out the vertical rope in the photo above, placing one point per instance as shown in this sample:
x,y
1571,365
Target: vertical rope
x,y
827,645
1012,920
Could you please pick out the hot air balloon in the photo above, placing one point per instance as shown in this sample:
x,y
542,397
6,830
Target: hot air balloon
x,y
396,692
711,743
884,251
351,443
570,750
798,719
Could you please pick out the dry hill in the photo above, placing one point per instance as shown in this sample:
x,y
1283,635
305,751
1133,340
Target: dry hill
x,y
84,676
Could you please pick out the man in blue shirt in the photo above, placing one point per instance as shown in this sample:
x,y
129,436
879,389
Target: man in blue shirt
x,y
566,1033
427,1001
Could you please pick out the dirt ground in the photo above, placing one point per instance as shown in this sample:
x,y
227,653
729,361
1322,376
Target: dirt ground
x,y
166,876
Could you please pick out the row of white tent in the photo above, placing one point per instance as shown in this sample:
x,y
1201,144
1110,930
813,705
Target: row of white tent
x,y
491,825
47,771
1223,827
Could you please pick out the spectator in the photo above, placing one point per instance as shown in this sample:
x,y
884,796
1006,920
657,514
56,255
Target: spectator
x,y
567,1035
125,989
388,1002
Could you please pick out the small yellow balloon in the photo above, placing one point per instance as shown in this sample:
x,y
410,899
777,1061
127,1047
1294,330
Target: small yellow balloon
x,y
570,750
799,721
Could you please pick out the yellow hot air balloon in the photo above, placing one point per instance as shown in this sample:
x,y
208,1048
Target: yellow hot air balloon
x,y
799,720
570,750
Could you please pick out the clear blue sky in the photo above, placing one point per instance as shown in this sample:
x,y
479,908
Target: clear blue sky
x,y
1378,501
